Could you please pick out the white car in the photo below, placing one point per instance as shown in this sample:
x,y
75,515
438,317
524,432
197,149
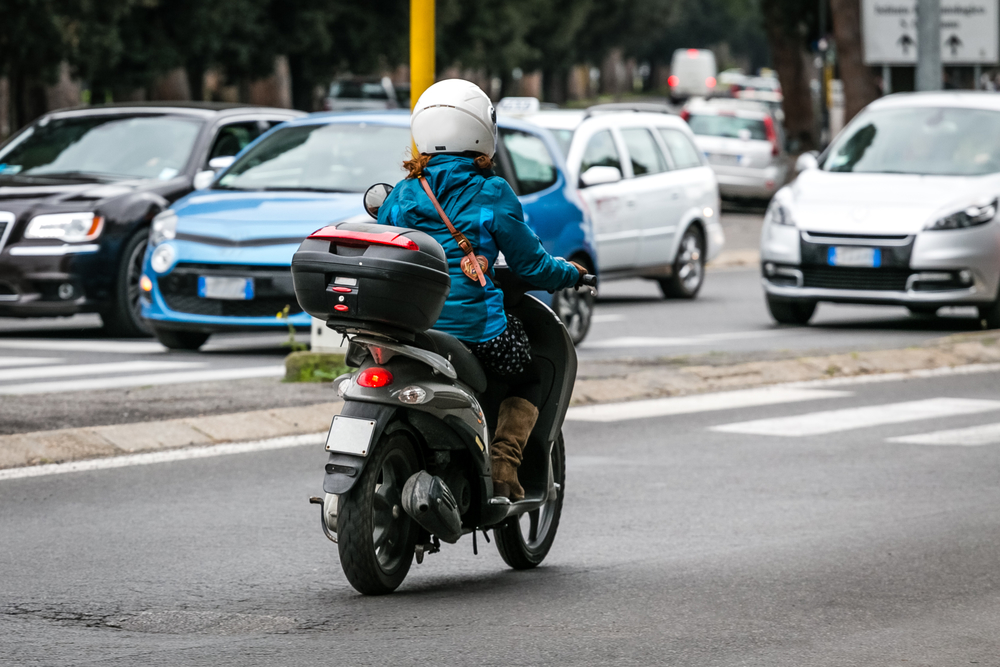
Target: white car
x,y
744,144
901,209
692,74
653,201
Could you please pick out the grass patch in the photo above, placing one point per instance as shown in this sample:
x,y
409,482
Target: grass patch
x,y
314,367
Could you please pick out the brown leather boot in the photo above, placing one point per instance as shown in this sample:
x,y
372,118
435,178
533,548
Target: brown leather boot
x,y
517,418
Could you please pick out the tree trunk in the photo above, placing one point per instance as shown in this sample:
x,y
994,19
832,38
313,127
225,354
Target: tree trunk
x,y
860,84
789,56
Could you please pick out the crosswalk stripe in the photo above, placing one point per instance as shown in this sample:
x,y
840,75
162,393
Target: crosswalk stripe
x,y
61,345
678,405
974,436
832,421
7,362
701,339
56,371
143,380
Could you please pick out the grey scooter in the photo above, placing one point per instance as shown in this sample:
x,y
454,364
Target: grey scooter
x,y
409,462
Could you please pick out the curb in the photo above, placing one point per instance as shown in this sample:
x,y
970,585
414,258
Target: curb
x,y
74,444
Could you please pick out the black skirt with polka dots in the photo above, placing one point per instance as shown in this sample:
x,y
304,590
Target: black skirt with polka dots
x,y
508,354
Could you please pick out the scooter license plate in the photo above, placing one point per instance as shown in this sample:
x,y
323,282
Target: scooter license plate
x,y
350,435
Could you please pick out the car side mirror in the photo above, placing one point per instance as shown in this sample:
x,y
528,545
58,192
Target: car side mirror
x,y
807,161
600,175
203,179
221,162
375,196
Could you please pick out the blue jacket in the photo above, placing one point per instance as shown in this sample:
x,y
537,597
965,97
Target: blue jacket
x,y
484,208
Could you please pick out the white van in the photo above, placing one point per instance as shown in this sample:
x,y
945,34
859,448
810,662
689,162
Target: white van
x,y
692,74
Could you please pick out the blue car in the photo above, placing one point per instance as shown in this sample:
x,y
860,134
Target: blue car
x,y
219,259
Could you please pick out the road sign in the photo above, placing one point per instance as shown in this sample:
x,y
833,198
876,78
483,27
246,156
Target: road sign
x,y
970,32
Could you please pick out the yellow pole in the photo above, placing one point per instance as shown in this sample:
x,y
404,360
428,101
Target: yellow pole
x,y
421,48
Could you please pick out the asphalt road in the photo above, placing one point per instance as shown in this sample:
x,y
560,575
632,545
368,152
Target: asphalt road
x,y
774,534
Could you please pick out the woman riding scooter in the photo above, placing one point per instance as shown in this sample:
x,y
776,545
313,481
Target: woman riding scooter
x,y
452,194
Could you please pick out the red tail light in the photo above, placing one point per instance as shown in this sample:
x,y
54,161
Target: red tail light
x,y
364,239
374,377
685,115
710,82
772,136
692,53
673,80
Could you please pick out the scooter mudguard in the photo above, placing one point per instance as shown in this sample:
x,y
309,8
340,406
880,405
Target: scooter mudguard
x,y
343,470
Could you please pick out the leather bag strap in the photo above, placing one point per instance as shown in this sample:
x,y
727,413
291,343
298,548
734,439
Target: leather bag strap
x,y
463,243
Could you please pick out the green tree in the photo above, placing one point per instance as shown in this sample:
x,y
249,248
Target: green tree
x,y
31,48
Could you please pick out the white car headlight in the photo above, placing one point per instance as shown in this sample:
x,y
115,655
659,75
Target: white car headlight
x,y
969,217
778,215
68,227
163,258
164,228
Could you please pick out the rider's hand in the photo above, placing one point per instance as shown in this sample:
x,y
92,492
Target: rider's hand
x,y
581,268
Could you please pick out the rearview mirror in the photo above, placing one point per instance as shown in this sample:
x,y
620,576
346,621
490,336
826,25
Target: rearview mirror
x,y
807,161
600,175
203,179
375,196
221,162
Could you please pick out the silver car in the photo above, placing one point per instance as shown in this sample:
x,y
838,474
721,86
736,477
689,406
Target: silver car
x,y
901,209
744,144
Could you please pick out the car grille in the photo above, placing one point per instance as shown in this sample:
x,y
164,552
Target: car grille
x,y
273,291
854,278
5,227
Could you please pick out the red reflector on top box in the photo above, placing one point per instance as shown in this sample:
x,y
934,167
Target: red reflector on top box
x,y
361,239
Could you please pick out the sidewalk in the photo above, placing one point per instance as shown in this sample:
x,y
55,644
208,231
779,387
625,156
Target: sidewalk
x,y
598,382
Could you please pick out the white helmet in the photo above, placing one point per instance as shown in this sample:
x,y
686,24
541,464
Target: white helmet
x,y
454,116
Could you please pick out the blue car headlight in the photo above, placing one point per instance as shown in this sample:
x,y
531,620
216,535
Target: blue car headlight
x,y
968,217
164,228
163,258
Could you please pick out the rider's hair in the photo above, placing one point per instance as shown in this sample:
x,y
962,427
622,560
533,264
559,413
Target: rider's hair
x,y
415,166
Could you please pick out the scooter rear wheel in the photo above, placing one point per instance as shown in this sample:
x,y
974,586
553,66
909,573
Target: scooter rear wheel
x,y
524,541
375,537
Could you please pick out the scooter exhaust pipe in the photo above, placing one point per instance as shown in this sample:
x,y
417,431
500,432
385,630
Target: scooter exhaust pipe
x,y
430,502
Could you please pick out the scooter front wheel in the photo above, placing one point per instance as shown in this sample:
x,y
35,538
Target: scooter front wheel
x,y
524,541
375,537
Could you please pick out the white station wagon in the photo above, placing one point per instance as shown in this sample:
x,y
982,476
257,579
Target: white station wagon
x,y
653,200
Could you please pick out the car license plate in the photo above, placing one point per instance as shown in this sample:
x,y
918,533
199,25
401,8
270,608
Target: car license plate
x,y
866,257
723,159
350,435
232,289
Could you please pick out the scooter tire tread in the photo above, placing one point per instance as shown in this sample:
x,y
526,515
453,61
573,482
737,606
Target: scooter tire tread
x,y
354,525
508,536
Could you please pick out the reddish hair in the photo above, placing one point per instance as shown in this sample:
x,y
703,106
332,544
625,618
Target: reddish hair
x,y
415,165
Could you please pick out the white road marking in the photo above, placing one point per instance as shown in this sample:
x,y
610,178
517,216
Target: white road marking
x,y
974,436
168,456
679,405
65,345
144,380
701,339
7,362
607,317
94,369
832,421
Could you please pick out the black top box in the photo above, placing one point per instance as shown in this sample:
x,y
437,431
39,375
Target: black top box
x,y
362,277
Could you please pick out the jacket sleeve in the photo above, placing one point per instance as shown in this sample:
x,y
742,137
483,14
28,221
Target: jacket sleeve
x,y
521,247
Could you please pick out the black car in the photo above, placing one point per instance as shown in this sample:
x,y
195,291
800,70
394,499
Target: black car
x,y
79,187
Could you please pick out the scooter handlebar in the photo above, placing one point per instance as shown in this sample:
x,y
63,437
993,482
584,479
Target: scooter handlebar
x,y
587,280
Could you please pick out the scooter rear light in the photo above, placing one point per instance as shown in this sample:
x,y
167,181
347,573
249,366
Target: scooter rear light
x,y
374,377
364,239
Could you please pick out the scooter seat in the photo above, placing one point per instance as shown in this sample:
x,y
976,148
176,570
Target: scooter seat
x,y
466,365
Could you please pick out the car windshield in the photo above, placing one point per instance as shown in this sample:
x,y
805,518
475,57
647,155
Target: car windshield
x,y
102,148
932,141
338,157
364,90
726,125
563,138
